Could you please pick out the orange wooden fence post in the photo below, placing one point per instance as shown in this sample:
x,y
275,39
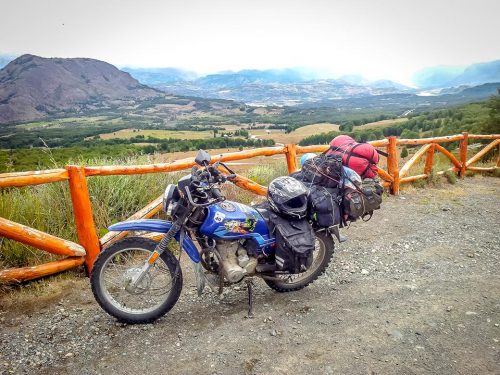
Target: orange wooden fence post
x,y
463,154
429,160
392,164
291,158
82,210
498,159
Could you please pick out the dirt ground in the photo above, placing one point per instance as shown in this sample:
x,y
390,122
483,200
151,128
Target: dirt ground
x,y
416,290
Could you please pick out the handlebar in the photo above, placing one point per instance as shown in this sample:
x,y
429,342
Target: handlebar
x,y
210,175
217,194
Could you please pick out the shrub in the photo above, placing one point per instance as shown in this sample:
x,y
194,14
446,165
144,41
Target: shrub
x,y
419,184
433,179
451,177
404,152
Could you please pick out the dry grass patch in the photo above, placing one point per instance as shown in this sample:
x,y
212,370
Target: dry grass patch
x,y
297,135
382,123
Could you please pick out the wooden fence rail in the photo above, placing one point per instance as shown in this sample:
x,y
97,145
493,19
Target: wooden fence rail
x,y
90,245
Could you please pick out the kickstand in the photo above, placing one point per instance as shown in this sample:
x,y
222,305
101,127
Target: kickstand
x,y
250,284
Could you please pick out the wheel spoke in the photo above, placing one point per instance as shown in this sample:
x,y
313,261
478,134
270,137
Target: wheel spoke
x,y
149,293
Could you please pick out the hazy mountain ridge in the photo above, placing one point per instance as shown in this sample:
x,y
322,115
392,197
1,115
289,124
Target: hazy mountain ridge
x,y
155,76
452,76
261,88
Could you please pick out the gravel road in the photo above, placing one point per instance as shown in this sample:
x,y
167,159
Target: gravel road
x,y
416,290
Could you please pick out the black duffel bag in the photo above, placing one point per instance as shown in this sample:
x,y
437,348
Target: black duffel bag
x,y
324,209
294,243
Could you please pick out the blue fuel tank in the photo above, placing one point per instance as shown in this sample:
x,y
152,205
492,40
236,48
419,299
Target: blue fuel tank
x,y
234,221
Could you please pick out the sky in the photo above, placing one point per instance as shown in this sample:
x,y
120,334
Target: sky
x,y
388,39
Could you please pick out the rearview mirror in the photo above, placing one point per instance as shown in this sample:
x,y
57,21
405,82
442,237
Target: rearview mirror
x,y
202,158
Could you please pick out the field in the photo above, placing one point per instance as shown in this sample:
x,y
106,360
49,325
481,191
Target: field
x,y
277,135
162,134
382,123
280,136
88,120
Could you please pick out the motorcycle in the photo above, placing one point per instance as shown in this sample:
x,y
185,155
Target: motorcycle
x,y
138,280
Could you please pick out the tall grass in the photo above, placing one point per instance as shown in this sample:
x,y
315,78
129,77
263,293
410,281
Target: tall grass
x,y
442,163
48,207
114,198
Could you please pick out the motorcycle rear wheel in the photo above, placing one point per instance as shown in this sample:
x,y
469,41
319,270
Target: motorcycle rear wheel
x,y
155,295
323,252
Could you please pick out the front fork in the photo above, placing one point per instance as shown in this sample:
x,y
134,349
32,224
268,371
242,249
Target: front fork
x,y
159,249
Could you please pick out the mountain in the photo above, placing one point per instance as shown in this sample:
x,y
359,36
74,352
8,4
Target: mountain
x,y
156,76
478,74
254,76
452,76
33,87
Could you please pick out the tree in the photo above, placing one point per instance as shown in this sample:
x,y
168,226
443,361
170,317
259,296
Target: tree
x,y
493,123
346,127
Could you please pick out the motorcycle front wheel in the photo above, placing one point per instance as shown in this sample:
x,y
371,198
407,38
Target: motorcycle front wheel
x,y
323,252
154,295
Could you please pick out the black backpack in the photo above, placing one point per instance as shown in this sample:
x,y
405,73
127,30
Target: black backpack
x,y
294,243
324,170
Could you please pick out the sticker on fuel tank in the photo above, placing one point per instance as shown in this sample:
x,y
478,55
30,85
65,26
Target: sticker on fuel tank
x,y
219,217
237,226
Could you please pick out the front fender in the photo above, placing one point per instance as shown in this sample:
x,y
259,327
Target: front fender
x,y
158,226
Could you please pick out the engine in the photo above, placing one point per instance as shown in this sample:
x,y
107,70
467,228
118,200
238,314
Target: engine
x,y
235,260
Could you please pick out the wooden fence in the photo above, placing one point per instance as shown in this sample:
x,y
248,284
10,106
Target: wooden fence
x,y
90,245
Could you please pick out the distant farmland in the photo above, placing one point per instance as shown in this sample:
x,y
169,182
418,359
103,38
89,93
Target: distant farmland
x,y
294,137
277,135
382,123
162,134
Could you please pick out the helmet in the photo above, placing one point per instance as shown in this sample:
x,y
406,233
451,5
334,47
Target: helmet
x,y
306,157
288,197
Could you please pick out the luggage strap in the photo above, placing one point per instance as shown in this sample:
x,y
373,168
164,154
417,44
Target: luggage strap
x,y
334,148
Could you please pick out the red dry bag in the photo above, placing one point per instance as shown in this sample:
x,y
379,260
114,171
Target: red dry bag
x,y
360,157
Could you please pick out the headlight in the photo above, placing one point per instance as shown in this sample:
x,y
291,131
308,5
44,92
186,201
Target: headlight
x,y
171,195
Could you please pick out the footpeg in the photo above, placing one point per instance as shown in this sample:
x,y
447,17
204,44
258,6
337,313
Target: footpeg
x,y
265,267
335,231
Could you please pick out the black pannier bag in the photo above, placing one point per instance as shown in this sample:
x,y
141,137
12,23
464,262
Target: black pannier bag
x,y
324,170
324,209
361,202
294,243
